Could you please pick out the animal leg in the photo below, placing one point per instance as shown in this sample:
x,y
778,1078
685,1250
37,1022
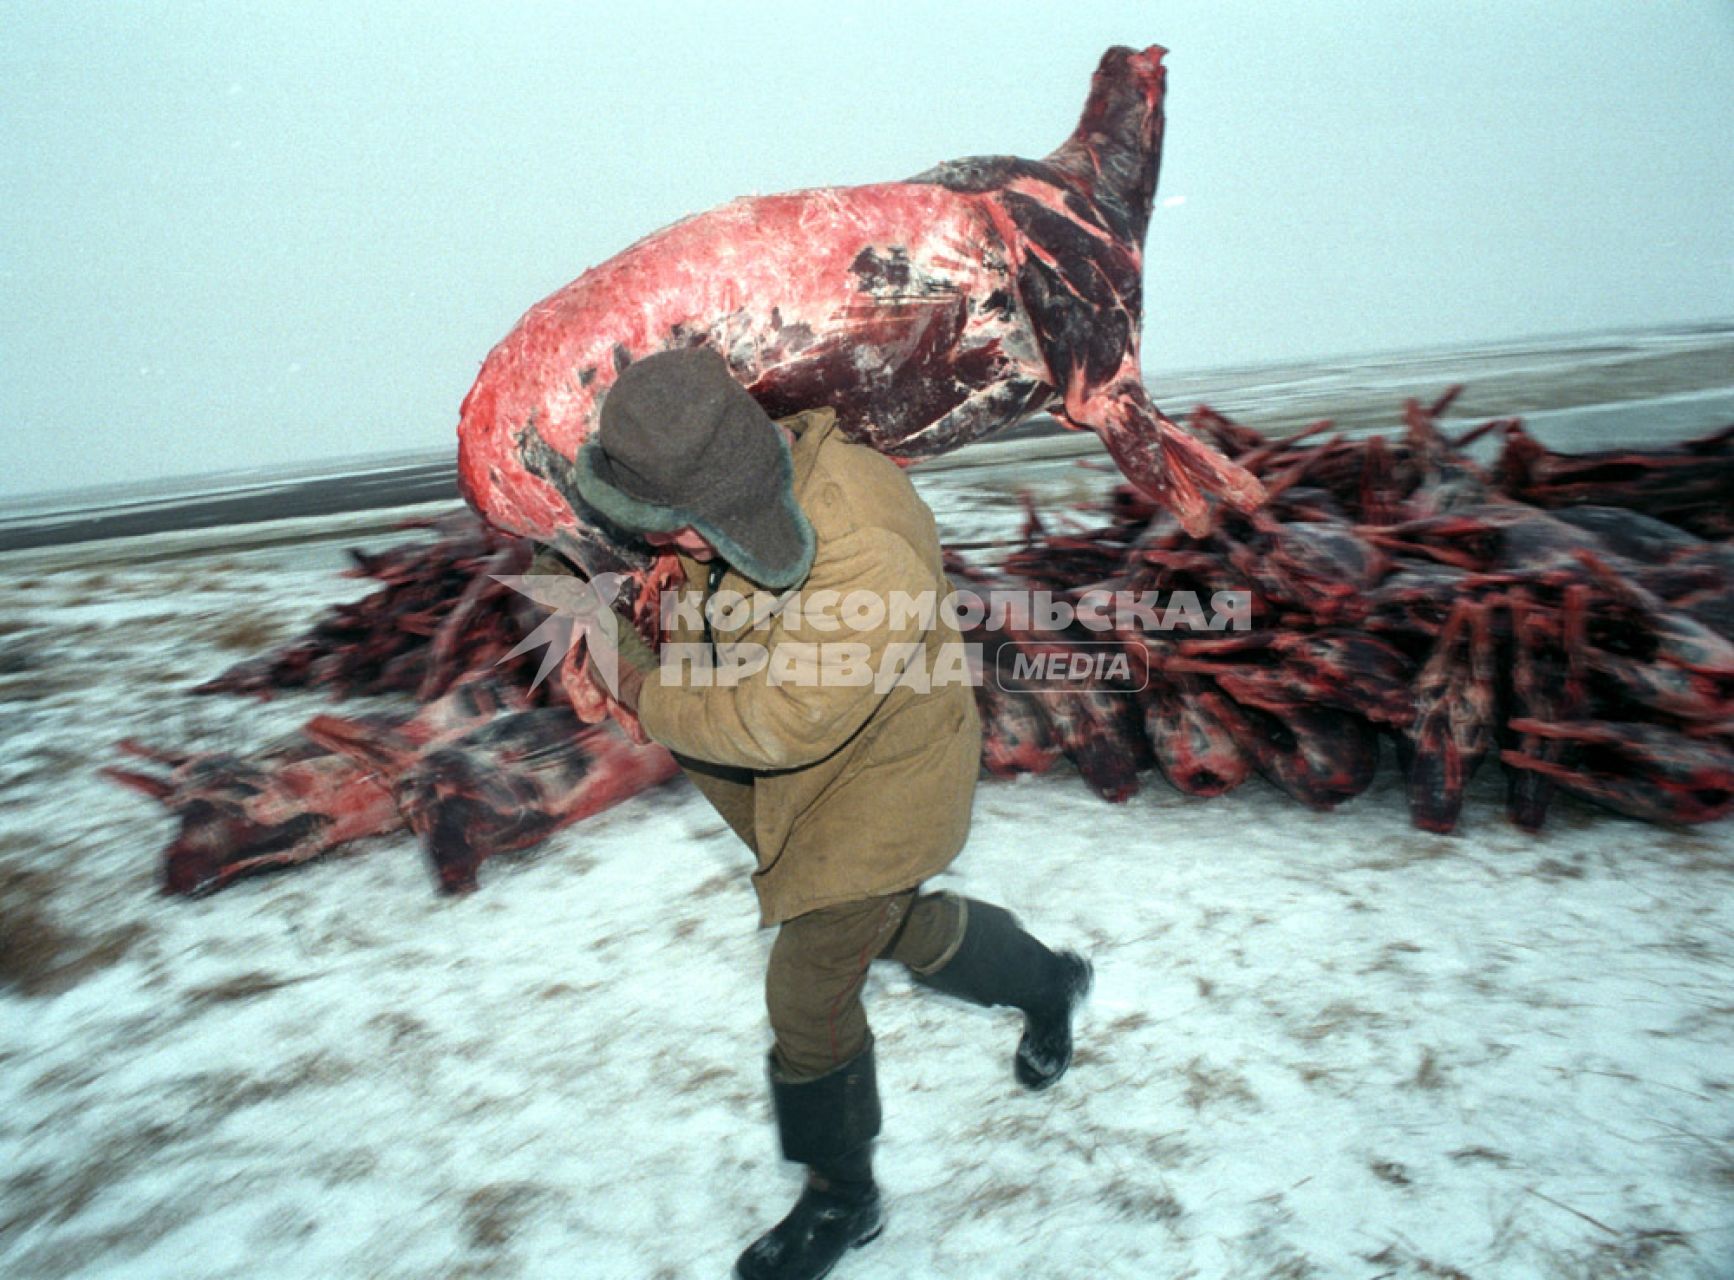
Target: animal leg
x,y
1176,469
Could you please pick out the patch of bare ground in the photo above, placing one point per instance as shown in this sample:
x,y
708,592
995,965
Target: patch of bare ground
x,y
1088,1055
401,1030
244,632
1390,958
17,658
69,1253
1428,1074
1650,1254
1287,1265
38,955
701,1078
1711,1018
1408,851
494,1213
1481,1155
1003,1127
35,685
489,1266
1337,1017
1390,1171
1208,1086
243,986
14,844
1139,1202
164,1017
996,1197
1166,1150
65,1077
1317,1075
53,1194
152,621
1398,1261
1554,869
1704,848
216,1095
40,763
343,1167
1722,1173
1691,946
1713,1158
715,885
1127,1022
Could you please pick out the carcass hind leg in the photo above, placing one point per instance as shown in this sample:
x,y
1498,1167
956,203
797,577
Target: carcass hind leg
x,y
1174,468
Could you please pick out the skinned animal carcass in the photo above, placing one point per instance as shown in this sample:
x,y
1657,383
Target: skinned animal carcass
x,y
928,313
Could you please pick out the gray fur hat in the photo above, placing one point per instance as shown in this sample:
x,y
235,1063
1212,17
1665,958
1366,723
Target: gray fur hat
x,y
680,442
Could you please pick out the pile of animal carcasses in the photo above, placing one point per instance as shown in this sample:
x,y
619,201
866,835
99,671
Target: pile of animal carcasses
x,y
1569,616
441,610
479,759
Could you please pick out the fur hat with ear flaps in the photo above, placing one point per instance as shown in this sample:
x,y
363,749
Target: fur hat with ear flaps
x,y
680,442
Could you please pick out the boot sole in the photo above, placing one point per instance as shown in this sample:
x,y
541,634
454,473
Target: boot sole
x,y
869,1238
1074,999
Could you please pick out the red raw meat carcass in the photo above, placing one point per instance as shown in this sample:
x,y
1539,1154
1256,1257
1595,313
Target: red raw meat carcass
x,y
928,313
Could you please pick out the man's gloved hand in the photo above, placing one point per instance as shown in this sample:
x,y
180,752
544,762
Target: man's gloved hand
x,y
632,658
635,661
640,656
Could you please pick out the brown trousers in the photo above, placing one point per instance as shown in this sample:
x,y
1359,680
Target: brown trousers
x,y
819,965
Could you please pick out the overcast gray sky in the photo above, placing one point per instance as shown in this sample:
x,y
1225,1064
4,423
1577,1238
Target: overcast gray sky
x,y
236,235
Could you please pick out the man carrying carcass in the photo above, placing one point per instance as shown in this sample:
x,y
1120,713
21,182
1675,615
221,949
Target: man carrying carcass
x,y
849,794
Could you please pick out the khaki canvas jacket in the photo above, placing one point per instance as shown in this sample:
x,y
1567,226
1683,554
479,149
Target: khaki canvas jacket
x,y
842,790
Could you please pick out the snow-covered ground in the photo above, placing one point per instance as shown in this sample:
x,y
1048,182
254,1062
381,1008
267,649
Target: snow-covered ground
x,y
1319,1045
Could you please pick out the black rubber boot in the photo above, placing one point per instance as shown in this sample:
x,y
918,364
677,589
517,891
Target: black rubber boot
x,y
997,963
828,1125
